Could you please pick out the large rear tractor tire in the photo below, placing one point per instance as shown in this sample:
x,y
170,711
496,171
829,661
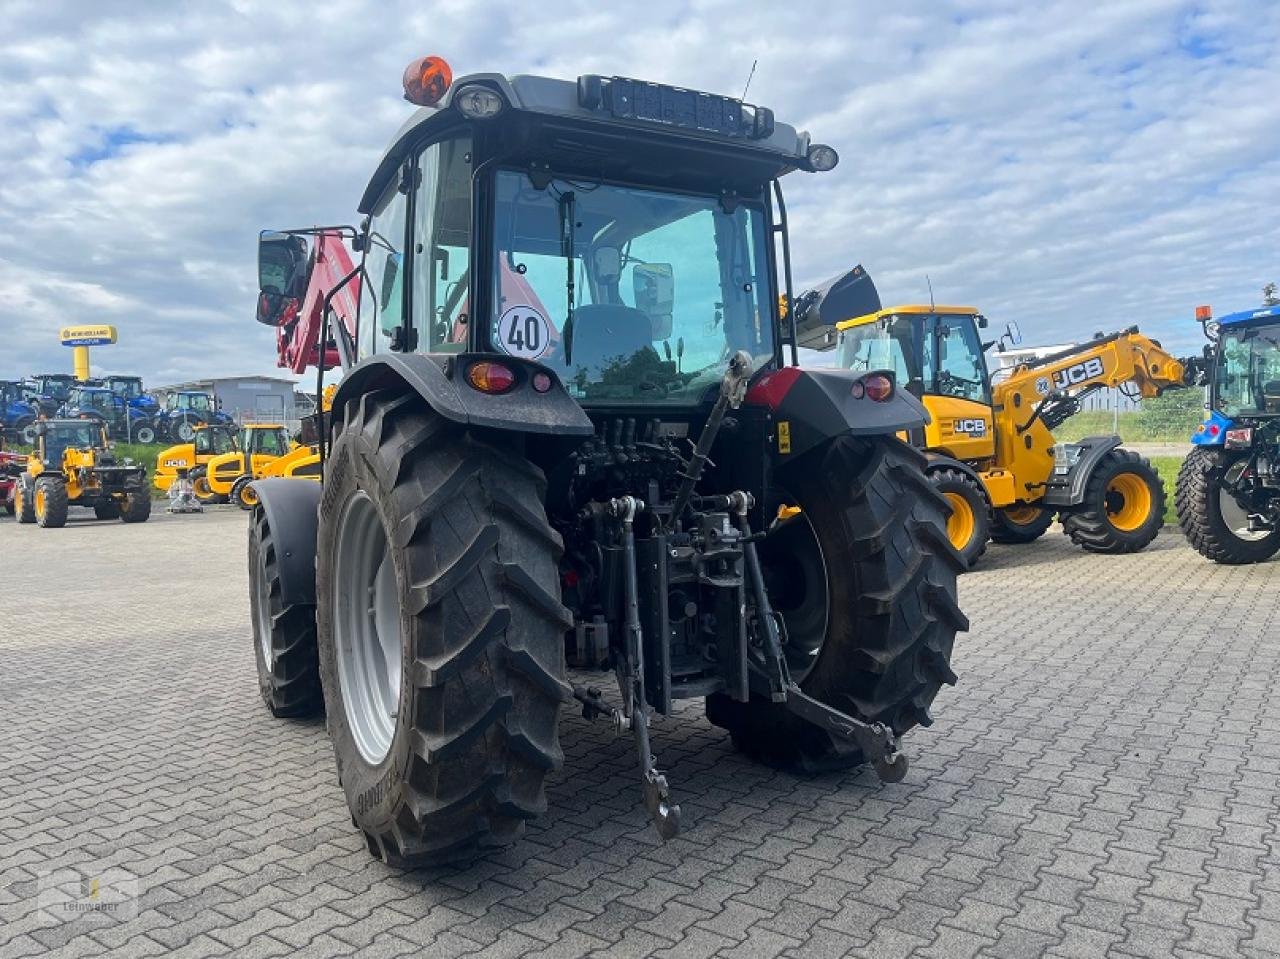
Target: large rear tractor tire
x,y
136,507
1123,507
1214,524
1019,524
969,525
864,578
24,506
50,503
441,632
284,635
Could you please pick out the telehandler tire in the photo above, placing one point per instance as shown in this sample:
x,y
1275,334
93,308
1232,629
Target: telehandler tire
x,y
24,506
441,632
136,507
284,636
865,581
200,488
1201,502
1123,506
1020,524
243,494
51,503
109,510
969,525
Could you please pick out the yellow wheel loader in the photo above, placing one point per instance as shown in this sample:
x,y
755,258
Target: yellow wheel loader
x,y
989,442
73,465
265,451
209,441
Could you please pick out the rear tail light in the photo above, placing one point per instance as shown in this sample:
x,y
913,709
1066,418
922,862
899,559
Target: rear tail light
x,y
878,387
1239,439
541,382
490,377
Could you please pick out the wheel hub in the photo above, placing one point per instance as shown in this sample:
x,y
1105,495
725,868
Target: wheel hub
x,y
795,574
366,620
1236,519
1128,501
960,524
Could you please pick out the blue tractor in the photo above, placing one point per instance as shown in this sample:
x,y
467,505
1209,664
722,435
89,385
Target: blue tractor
x,y
184,411
1228,496
17,413
122,420
130,389
50,390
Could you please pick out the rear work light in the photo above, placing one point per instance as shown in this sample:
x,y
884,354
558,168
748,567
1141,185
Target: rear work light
x,y
490,377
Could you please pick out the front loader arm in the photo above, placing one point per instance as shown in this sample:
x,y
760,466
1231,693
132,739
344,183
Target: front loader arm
x,y
1127,358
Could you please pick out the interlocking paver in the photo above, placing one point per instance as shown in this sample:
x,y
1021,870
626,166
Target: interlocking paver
x,y
1102,781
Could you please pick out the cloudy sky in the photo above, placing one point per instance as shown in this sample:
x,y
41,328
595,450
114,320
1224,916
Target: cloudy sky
x,y
1072,166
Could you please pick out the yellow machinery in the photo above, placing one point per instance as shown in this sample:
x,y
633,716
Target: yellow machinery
x,y
210,440
265,451
73,465
990,443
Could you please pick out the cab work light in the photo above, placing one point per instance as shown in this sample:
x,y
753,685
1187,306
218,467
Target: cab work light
x,y
478,103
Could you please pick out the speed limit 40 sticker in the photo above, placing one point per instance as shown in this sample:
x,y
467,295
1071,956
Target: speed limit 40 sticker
x,y
524,332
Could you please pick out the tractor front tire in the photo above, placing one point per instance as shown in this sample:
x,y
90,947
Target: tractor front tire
x,y
434,547
872,622
1123,506
107,510
284,635
136,507
51,503
1200,499
969,525
24,506
1020,524
144,432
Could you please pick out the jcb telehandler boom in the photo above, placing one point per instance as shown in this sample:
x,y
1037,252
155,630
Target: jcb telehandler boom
x,y
990,444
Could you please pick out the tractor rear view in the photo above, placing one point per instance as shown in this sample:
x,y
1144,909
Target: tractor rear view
x,y
571,433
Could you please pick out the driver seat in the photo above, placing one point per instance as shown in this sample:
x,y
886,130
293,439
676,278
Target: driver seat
x,y
605,334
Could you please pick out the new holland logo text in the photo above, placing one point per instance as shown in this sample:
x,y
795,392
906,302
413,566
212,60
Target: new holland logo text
x,y
971,427
1078,373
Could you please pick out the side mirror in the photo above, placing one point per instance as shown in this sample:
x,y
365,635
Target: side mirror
x,y
274,309
282,268
1012,333
817,312
982,322
654,288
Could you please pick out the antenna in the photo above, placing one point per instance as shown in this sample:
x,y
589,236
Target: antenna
x,y
749,76
932,305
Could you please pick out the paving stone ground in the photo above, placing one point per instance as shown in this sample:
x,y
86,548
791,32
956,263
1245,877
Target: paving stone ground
x,y
1103,781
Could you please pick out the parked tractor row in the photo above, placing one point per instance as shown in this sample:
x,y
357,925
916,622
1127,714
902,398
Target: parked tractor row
x,y
120,403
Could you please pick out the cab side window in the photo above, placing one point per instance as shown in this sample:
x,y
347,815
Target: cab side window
x,y
442,246
959,367
382,291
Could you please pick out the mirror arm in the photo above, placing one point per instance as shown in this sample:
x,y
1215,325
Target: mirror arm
x,y
780,228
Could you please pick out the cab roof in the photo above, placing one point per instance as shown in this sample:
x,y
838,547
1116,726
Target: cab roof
x,y
917,308
598,102
1264,314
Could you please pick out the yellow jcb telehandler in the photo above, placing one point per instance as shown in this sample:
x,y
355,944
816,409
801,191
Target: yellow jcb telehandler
x,y
209,440
990,444
265,451
73,465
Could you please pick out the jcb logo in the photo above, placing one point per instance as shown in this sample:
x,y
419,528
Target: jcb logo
x,y
971,427
1073,375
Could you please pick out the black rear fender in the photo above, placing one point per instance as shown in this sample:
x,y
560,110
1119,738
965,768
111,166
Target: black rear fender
x,y
811,406
440,379
293,513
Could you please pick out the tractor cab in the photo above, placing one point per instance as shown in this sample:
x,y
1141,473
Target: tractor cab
x,y
937,353
50,390
188,401
94,401
130,389
1245,380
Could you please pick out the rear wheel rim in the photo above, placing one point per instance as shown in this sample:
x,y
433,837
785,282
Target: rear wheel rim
x,y
795,574
961,522
264,612
185,432
366,621
1236,519
1128,501
1022,515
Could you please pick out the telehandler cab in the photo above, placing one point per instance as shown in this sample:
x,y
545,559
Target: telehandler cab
x,y
73,465
990,444
571,427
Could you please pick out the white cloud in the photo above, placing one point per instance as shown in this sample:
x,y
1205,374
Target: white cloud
x,y
1071,170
